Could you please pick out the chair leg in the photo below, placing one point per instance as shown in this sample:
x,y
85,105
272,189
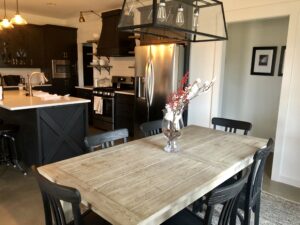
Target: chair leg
x,y
14,154
257,212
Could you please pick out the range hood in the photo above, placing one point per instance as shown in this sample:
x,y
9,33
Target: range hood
x,y
112,42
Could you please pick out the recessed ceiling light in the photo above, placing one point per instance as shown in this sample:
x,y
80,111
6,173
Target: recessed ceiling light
x,y
51,4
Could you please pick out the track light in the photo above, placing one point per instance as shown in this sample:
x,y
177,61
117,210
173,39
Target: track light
x,y
81,17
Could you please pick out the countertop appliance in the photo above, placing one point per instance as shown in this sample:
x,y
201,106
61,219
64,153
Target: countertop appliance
x,y
158,71
104,116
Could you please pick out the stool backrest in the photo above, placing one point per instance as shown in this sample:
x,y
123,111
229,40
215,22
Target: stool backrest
x,y
231,125
151,128
227,196
105,140
52,195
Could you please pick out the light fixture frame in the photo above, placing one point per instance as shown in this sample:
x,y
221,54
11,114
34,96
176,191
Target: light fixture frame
x,y
193,33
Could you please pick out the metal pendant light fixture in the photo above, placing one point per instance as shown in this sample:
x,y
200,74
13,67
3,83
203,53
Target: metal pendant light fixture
x,y
18,19
5,23
177,20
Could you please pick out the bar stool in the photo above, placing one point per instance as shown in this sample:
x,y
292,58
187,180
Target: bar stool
x,y
7,133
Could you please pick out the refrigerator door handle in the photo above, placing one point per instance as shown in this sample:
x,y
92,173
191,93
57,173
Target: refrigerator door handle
x,y
151,82
146,83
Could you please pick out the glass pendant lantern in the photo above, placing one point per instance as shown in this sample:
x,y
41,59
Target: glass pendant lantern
x,y
18,19
177,20
5,23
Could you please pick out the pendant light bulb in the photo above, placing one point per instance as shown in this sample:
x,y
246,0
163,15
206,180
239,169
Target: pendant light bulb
x,y
161,13
6,24
180,16
18,19
195,18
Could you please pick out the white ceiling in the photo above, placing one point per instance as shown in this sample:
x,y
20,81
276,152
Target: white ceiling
x,y
61,9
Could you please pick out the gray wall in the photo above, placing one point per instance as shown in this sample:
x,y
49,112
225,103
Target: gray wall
x,y
248,97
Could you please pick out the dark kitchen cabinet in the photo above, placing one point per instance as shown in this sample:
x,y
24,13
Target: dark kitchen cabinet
x,y
86,94
22,47
61,44
124,112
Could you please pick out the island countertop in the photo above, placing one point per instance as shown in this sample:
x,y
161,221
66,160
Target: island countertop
x,y
17,100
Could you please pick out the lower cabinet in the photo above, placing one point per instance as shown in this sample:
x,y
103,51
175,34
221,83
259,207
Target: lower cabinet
x,y
124,109
86,94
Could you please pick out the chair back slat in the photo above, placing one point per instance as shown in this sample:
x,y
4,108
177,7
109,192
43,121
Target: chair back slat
x,y
151,128
105,140
232,125
254,183
52,195
227,196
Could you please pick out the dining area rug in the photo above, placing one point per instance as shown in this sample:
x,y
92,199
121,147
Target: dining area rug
x,y
275,210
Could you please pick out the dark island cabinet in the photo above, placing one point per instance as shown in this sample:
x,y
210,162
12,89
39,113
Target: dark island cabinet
x,y
87,94
124,109
22,47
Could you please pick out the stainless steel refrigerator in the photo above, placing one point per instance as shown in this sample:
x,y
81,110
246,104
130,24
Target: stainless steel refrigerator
x,y
158,71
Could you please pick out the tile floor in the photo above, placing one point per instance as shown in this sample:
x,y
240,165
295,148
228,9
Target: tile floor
x,y
21,204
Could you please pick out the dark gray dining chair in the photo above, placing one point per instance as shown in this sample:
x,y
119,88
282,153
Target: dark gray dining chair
x,y
251,195
151,128
105,140
226,195
231,125
53,194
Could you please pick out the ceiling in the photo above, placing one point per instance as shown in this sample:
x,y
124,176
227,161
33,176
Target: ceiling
x,y
61,9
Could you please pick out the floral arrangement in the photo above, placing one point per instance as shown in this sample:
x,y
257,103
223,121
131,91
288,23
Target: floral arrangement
x,y
177,101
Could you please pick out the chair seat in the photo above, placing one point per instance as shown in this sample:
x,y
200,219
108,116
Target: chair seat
x,y
184,217
91,218
8,128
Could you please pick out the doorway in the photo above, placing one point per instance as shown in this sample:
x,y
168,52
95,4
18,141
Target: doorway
x,y
254,95
87,56
251,93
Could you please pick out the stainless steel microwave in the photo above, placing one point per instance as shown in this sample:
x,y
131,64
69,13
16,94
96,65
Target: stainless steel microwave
x,y
61,68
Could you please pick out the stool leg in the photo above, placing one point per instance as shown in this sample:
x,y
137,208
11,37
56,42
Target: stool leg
x,y
14,153
3,154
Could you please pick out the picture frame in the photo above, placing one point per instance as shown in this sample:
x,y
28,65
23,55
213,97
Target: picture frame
x,y
263,60
281,61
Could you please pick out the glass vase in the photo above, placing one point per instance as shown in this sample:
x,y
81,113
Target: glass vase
x,y
171,127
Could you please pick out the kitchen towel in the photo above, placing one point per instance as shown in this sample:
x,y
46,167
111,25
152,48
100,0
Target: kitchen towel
x,y
98,105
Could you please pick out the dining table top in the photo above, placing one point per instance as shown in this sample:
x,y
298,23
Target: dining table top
x,y
137,183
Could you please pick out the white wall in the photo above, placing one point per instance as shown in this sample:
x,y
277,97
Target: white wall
x,y
90,30
286,165
250,97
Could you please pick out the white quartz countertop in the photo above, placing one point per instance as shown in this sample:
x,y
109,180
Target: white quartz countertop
x,y
17,100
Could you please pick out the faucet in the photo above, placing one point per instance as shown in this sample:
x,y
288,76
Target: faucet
x,y
43,80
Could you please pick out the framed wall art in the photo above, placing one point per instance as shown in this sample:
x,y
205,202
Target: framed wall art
x,y
281,62
263,61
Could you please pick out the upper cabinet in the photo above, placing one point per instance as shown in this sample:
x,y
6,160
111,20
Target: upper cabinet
x,y
22,47
60,42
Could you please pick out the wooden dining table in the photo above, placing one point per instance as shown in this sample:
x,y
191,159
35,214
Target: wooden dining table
x,y
138,183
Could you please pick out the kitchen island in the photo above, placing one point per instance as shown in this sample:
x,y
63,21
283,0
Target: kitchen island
x,y
51,129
